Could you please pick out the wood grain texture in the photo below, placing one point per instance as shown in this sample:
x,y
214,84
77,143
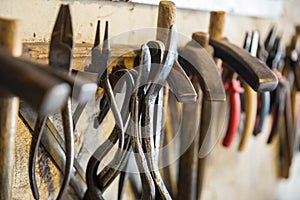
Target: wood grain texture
x,y
166,18
217,24
10,39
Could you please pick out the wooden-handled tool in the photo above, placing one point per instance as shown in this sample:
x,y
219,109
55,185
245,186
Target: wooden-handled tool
x,y
254,73
42,88
250,69
10,39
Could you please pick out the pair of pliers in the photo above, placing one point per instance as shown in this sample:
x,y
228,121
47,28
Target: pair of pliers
x,y
275,53
60,56
252,71
100,67
263,98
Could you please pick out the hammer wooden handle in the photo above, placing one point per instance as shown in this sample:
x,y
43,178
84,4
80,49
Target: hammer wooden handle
x,y
10,39
166,18
252,70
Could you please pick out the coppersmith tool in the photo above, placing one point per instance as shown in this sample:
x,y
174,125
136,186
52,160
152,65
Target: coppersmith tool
x,y
109,173
250,69
254,72
263,98
10,40
60,56
196,61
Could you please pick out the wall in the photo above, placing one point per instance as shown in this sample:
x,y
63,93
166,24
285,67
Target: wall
x,y
230,175
38,18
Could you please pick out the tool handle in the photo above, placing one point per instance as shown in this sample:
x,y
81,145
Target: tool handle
x,y
252,70
234,90
265,102
216,24
10,39
166,18
250,115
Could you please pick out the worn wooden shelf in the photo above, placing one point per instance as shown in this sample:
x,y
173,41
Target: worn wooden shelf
x,y
82,51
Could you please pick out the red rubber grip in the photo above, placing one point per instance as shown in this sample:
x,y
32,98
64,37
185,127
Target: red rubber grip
x,y
234,90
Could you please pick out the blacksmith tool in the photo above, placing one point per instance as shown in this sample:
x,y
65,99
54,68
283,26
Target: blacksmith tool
x,y
277,97
60,56
99,183
250,97
189,144
41,88
250,69
263,98
151,146
197,61
99,66
234,89
100,63
291,70
96,71
148,185
10,40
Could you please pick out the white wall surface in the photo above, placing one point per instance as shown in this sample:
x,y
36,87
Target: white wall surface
x,y
38,18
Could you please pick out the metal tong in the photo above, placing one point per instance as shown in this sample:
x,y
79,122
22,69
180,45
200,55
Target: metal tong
x,y
60,56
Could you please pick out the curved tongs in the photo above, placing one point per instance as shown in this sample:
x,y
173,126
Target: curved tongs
x,y
60,56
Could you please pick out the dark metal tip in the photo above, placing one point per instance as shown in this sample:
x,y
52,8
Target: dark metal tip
x,y
269,41
247,41
106,42
97,36
63,27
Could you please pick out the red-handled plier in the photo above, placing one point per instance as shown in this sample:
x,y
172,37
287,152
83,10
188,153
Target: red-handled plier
x,y
234,89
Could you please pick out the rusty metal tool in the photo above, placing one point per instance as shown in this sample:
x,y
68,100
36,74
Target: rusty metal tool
x,y
108,174
54,145
101,60
189,144
196,61
41,88
151,146
148,185
60,56
95,69
118,131
10,39
82,88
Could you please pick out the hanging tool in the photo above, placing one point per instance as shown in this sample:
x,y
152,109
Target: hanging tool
x,y
263,98
118,131
196,61
41,88
94,70
60,56
277,102
250,98
188,162
108,174
250,69
254,72
10,40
